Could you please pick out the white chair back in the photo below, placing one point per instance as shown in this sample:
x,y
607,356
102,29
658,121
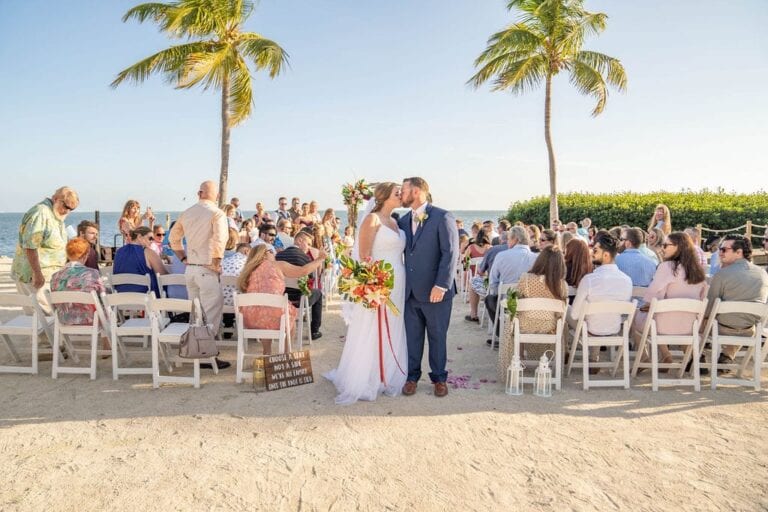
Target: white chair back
x,y
244,334
26,323
62,330
135,279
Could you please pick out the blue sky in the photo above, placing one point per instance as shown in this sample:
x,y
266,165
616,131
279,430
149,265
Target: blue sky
x,y
377,90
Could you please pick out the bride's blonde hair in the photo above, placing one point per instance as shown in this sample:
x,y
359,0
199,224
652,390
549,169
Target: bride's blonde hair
x,y
381,193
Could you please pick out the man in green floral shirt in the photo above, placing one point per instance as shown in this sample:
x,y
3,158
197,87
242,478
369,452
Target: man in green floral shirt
x,y
41,248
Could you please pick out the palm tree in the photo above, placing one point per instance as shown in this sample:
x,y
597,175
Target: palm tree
x,y
214,55
546,40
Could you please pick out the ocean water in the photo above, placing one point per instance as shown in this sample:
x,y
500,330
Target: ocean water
x,y
110,236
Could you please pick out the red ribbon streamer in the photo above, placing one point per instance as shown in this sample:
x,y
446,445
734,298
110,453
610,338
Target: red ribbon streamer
x,y
383,312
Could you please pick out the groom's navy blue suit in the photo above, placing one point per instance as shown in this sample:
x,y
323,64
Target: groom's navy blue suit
x,y
431,256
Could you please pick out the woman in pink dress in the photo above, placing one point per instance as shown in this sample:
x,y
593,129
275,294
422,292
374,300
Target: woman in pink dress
x,y
679,276
262,274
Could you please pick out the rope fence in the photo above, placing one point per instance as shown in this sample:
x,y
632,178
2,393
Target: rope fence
x,y
748,228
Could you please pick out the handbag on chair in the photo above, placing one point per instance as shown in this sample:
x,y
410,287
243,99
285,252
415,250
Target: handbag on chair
x,y
198,342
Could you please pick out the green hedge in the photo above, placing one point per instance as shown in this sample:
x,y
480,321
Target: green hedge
x,y
712,209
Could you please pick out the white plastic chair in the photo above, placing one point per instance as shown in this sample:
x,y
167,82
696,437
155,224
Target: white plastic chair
x,y
638,292
28,323
587,340
501,311
304,317
753,343
243,334
92,331
128,327
164,280
558,307
691,341
137,279
468,275
169,336
106,273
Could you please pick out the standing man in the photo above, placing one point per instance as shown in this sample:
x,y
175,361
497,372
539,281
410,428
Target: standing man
x,y
431,256
89,231
282,210
295,210
204,227
238,213
41,246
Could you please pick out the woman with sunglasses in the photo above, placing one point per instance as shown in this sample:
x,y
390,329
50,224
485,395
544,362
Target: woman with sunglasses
x,y
137,257
679,276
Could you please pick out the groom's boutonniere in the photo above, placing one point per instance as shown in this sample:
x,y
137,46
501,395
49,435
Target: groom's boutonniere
x,y
421,218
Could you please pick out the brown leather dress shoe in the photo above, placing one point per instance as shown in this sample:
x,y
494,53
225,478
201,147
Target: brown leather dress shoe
x,y
409,388
441,389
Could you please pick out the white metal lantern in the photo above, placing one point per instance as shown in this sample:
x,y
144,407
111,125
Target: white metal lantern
x,y
543,377
515,376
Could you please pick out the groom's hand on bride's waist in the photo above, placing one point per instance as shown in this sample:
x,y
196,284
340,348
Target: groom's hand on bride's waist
x,y
437,294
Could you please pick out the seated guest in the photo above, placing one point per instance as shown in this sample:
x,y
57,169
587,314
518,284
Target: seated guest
x,y
502,230
713,244
262,274
306,219
578,263
460,227
507,268
232,241
565,237
231,212
583,231
679,276
267,235
298,256
644,249
547,238
474,230
606,283
654,239
632,262
284,230
136,257
463,244
738,280
545,280
245,231
158,236
490,231
696,237
76,277
231,266
534,236
476,249
89,232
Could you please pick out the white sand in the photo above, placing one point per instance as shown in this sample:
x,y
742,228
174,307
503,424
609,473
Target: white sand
x,y
75,444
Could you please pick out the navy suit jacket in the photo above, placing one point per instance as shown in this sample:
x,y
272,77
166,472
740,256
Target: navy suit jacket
x,y
431,255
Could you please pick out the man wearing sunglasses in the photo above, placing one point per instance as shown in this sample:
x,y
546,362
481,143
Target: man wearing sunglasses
x,y
738,280
41,246
267,236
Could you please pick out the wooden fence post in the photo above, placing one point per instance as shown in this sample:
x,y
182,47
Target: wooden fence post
x,y
97,220
748,233
167,221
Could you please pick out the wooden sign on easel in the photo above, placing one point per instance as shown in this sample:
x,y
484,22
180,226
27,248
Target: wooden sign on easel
x,y
284,371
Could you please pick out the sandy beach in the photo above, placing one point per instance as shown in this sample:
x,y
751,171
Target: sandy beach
x,y
76,444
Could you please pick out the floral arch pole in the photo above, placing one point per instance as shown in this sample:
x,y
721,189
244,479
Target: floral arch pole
x,y
354,194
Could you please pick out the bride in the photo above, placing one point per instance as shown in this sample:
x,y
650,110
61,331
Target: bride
x,y
358,376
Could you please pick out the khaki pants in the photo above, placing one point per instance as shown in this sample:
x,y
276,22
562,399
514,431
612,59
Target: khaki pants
x,y
204,284
39,295
730,350
594,352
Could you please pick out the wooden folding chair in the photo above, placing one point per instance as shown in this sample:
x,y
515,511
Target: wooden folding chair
x,y
651,337
244,334
558,307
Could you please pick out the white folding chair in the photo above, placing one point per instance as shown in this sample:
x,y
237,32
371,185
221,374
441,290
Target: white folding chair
x,y
27,323
468,275
751,353
501,311
244,334
125,329
619,340
106,273
695,308
168,337
92,331
753,344
227,309
164,280
136,279
304,317
555,306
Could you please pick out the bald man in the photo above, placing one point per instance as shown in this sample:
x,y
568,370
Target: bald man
x,y
204,226
41,246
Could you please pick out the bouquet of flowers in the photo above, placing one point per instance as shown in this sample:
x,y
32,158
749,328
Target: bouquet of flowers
x,y
304,286
368,283
355,193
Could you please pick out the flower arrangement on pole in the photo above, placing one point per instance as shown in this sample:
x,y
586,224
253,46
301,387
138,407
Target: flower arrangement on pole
x,y
354,194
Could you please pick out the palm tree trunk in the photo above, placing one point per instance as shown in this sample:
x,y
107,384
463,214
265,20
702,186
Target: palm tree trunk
x,y
553,209
224,174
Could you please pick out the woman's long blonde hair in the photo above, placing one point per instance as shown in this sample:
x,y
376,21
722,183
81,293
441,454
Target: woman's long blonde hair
x,y
127,211
667,229
255,258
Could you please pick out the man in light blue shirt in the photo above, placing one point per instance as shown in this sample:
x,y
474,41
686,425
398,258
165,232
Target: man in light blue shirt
x,y
508,266
634,263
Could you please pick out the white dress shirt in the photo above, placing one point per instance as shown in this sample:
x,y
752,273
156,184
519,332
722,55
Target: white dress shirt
x,y
607,282
414,217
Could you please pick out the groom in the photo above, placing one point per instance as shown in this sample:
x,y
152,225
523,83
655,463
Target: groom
x,y
431,256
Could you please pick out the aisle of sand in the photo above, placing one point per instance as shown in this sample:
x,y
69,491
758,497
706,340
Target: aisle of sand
x,y
75,444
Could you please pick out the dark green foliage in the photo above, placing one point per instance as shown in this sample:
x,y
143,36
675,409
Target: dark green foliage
x,y
712,209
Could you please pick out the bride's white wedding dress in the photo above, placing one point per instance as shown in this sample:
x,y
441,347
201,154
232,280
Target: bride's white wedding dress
x,y
358,375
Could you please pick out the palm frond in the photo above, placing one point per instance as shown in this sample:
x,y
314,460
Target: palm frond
x,y
240,92
169,62
495,66
209,67
589,81
154,10
523,75
264,53
609,67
